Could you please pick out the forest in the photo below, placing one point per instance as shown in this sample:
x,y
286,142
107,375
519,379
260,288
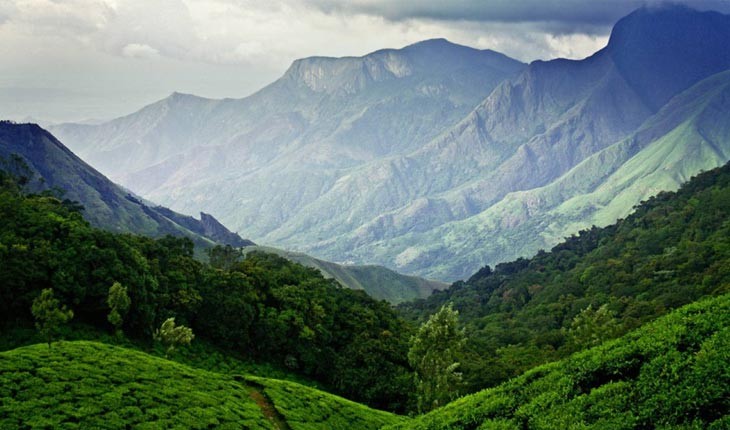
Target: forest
x,y
561,307
260,307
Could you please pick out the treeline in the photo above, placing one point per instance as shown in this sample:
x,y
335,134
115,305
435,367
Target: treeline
x,y
673,250
261,306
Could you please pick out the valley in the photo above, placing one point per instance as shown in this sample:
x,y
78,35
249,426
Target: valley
x,y
436,236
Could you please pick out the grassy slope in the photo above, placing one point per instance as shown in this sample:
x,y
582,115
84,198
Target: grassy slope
x,y
378,281
93,385
672,373
309,409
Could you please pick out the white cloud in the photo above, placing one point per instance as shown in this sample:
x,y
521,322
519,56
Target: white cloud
x,y
137,50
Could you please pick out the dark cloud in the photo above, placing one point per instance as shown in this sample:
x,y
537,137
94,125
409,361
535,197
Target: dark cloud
x,y
559,16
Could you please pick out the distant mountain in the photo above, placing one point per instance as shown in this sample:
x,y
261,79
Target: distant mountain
x,y
111,207
433,159
106,204
257,162
379,282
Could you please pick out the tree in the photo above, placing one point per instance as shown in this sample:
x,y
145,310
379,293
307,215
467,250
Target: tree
x,y
119,302
49,315
434,353
592,326
172,336
224,257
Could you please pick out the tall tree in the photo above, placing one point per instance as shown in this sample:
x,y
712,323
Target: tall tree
x,y
49,314
119,302
434,355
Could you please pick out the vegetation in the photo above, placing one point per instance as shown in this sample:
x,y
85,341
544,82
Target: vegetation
x,y
673,250
378,281
598,285
118,302
49,314
92,385
171,335
263,307
307,409
434,352
672,373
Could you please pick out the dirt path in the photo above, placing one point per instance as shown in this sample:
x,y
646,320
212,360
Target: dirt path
x,y
268,409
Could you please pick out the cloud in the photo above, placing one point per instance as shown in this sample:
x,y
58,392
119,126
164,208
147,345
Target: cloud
x,y
580,14
137,50
233,47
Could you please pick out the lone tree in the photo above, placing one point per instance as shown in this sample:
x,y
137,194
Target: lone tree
x,y
119,302
434,353
172,336
49,315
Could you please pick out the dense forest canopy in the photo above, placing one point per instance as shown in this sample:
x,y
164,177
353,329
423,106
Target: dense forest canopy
x,y
260,306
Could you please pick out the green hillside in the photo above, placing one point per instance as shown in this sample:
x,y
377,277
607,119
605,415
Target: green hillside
x,y
378,281
92,385
672,373
673,250
262,308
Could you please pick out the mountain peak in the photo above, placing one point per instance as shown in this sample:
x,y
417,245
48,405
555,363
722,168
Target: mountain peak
x,y
432,57
654,39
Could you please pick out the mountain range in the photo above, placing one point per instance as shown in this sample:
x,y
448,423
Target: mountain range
x,y
436,159
113,208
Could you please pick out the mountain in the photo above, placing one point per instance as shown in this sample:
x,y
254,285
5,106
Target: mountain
x,y
259,161
688,135
377,281
111,207
370,160
106,204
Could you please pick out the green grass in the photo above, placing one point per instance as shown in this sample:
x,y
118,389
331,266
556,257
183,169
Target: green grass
x,y
672,373
92,385
83,384
305,408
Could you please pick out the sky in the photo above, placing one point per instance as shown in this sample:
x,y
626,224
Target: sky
x,y
75,60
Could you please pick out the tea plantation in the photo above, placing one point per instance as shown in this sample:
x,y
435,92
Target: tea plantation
x,y
672,373
85,384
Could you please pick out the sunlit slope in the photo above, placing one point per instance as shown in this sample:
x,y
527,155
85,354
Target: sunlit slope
x,y
689,135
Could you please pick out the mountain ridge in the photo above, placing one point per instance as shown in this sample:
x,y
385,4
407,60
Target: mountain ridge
x,y
347,171
107,205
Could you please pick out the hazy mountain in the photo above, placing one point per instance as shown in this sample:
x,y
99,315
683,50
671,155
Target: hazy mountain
x,y
527,134
379,282
106,204
111,207
690,134
420,159
260,160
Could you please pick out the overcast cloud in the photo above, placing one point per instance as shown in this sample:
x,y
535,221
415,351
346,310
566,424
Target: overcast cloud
x,y
76,59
